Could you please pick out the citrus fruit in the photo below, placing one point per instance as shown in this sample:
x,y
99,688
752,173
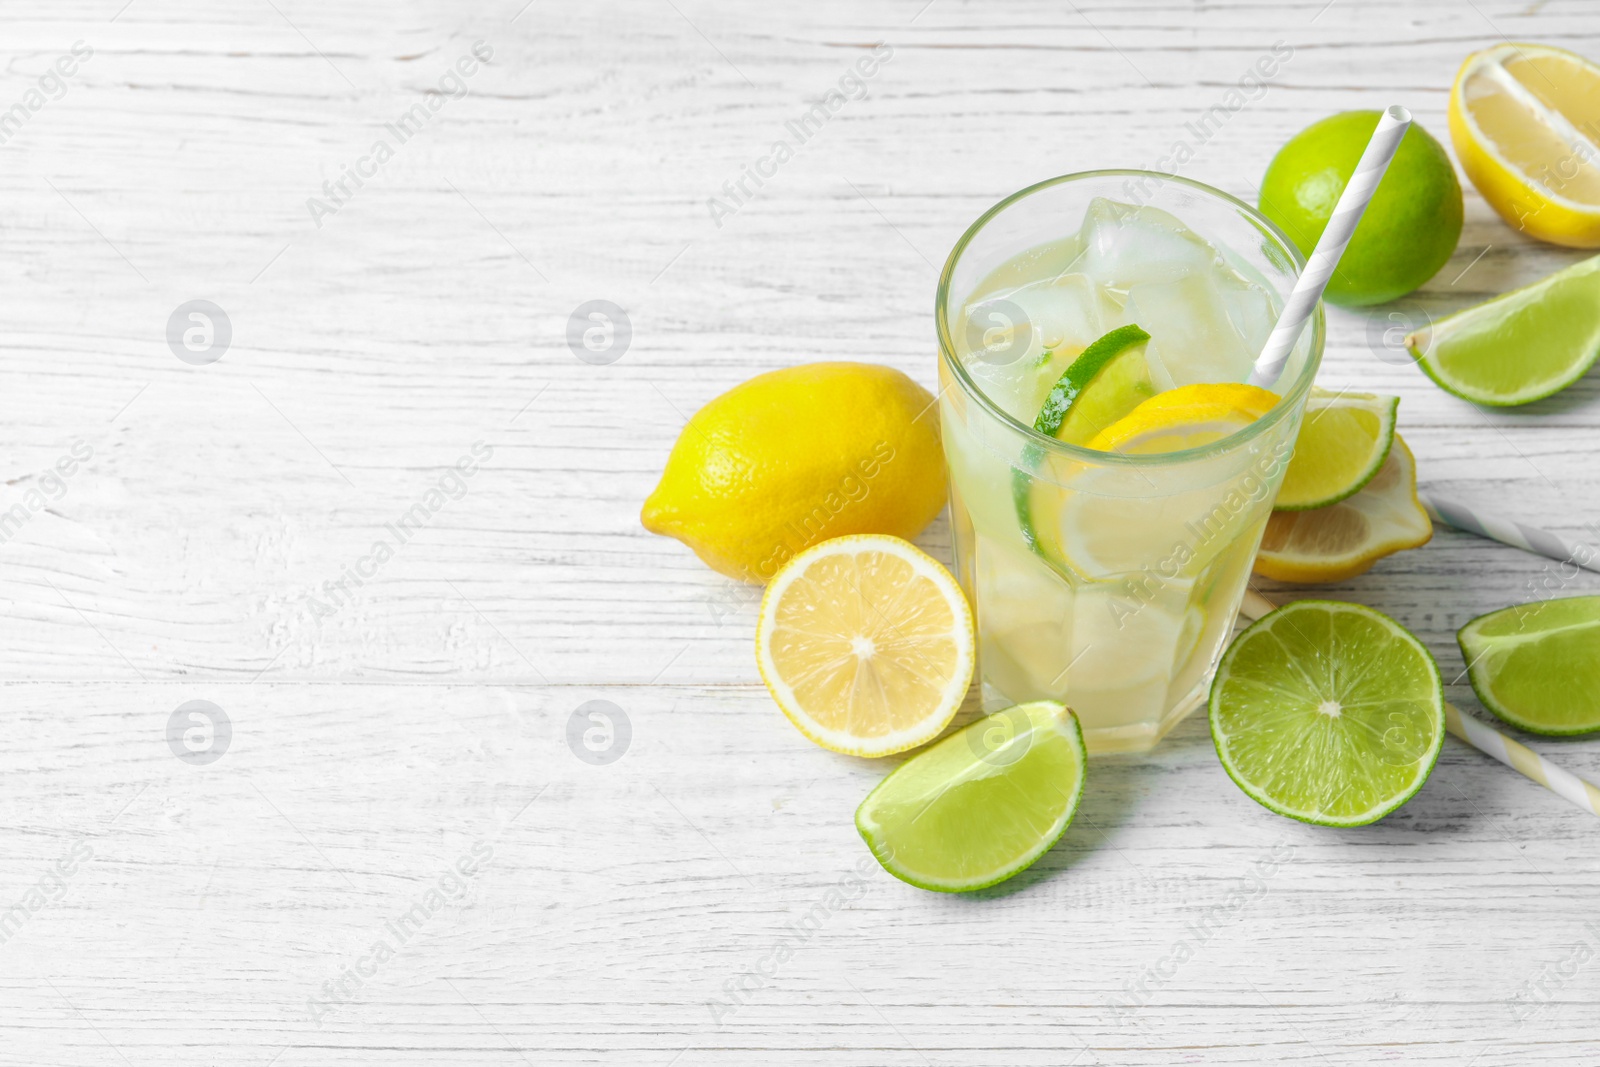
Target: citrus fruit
x,y
1410,226
1112,533
981,805
795,456
1344,439
1328,713
1345,539
1521,346
866,643
1108,379
1537,666
1523,118
1189,416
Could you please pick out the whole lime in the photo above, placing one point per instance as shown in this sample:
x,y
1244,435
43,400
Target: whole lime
x,y
1410,227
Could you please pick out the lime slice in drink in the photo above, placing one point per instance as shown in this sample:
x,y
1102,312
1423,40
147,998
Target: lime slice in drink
x,y
981,805
1108,379
1519,347
1328,713
1343,442
1537,666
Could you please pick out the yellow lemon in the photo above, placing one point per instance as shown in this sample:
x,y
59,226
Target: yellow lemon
x,y
796,456
1345,539
866,643
1186,417
1525,120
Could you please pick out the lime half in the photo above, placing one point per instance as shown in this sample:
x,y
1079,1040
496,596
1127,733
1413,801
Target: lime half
x,y
1343,442
1108,379
1328,713
1537,666
1519,347
981,805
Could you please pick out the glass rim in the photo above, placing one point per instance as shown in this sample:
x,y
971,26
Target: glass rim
x,y
1297,389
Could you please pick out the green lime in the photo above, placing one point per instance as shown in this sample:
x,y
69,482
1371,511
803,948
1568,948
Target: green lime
x,y
1108,379
1520,346
1343,442
981,805
1328,713
1410,227
1537,666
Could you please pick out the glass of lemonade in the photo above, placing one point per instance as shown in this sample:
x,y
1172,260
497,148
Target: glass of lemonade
x,y
1110,581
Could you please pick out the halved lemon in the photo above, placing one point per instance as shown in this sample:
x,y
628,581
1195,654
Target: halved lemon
x,y
1186,417
866,643
1525,121
1341,541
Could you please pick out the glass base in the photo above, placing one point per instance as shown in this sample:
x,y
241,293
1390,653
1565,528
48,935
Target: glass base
x,y
1111,740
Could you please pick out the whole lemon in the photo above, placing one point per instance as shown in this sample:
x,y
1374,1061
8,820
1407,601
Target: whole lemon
x,y
1410,226
797,456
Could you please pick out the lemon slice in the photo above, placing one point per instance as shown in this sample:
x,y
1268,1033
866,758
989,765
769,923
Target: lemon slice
x,y
1189,416
1342,445
1522,117
866,643
1333,543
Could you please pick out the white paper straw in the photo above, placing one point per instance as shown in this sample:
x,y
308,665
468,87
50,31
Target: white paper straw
x,y
1486,738
1486,524
1392,125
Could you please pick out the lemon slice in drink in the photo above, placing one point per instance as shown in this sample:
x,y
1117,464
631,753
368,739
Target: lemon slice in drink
x,y
1328,713
866,643
983,804
1522,117
1189,416
1537,666
1343,441
1345,539
1521,346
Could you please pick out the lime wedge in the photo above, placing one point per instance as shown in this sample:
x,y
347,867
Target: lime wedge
x,y
1108,379
1519,347
1343,442
1328,713
1537,666
981,805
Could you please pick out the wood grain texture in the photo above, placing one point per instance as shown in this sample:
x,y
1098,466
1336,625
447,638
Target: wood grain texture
x,y
626,911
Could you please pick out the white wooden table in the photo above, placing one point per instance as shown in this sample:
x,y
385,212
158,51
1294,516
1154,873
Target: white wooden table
x,y
397,766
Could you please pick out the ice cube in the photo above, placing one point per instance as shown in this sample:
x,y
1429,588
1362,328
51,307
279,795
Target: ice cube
x,y
1069,310
1250,311
1190,330
1126,246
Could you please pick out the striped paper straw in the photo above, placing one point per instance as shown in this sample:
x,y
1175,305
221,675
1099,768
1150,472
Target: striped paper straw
x,y
1510,532
1523,760
1485,738
1392,126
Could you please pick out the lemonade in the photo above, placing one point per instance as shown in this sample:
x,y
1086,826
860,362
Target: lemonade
x,y
1109,581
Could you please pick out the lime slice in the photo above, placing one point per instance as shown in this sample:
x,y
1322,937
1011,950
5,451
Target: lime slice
x,y
1108,379
1537,666
1519,347
1328,713
1343,442
981,805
